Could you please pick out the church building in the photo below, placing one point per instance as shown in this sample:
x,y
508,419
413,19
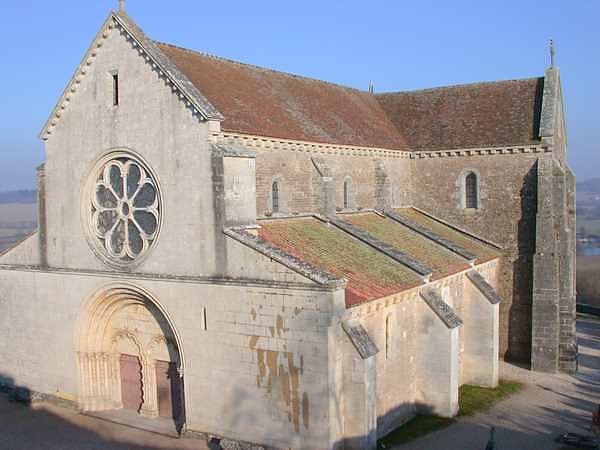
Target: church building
x,y
243,253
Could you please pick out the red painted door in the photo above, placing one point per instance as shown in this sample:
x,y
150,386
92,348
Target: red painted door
x,y
169,390
131,382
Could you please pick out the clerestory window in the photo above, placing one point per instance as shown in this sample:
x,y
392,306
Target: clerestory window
x,y
275,196
471,191
346,195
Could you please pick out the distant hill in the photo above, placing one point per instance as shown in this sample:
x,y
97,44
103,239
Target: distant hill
x,y
23,196
591,185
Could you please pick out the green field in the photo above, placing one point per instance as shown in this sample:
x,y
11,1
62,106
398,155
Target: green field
x,y
17,220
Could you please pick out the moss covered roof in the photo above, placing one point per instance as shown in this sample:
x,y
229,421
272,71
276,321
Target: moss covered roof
x,y
442,261
370,273
480,249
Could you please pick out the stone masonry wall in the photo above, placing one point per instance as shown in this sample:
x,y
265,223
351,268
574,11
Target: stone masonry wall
x,y
301,182
507,188
151,121
392,324
269,343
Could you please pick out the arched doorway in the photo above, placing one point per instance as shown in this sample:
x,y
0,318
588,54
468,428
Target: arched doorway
x,y
130,356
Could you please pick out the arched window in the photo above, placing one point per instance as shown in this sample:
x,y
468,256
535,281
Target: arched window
x,y
275,196
346,194
471,200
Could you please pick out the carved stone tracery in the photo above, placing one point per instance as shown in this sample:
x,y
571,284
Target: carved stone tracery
x,y
123,206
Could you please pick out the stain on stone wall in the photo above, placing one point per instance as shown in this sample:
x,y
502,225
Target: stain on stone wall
x,y
280,377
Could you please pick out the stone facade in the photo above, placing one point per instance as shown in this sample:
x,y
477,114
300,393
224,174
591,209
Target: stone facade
x,y
152,245
506,216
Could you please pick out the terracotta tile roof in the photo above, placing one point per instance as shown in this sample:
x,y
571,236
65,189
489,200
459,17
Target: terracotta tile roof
x,y
472,115
440,260
481,250
269,103
370,273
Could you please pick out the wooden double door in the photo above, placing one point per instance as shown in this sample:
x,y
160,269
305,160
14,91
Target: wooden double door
x,y
169,387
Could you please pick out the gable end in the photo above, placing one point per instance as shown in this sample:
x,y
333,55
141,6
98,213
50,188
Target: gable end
x,y
167,71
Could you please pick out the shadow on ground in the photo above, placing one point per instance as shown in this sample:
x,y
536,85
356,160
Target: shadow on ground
x,y
27,425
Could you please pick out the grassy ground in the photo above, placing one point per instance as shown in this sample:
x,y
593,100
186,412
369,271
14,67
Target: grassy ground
x,y
472,399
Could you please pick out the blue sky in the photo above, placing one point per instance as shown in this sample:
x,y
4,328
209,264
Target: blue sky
x,y
400,45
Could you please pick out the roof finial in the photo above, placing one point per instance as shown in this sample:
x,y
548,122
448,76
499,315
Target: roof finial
x,y
552,53
121,5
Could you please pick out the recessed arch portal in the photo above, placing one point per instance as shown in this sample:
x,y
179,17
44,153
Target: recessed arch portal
x,y
127,341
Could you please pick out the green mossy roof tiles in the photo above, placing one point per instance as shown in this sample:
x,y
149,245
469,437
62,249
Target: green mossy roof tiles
x,y
482,251
439,259
370,273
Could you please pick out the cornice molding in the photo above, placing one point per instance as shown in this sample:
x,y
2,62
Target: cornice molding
x,y
156,277
485,151
263,142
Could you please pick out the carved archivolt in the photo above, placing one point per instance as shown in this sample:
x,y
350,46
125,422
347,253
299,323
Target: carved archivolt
x,y
101,330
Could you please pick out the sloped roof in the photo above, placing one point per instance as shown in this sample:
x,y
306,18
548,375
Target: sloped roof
x,y
479,248
263,102
490,114
370,273
269,103
442,261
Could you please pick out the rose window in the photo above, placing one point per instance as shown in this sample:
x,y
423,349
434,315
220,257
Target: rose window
x,y
125,212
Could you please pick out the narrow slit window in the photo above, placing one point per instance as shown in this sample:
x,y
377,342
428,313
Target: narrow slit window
x,y
115,78
471,200
388,337
346,196
275,194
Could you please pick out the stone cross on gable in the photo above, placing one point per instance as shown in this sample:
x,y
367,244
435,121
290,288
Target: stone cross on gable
x,y
121,5
552,53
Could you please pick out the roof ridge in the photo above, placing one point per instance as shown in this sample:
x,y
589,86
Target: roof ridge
x,y
458,85
254,66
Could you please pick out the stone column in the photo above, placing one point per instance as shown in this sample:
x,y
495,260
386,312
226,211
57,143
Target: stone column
x,y
84,385
95,382
115,377
150,403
